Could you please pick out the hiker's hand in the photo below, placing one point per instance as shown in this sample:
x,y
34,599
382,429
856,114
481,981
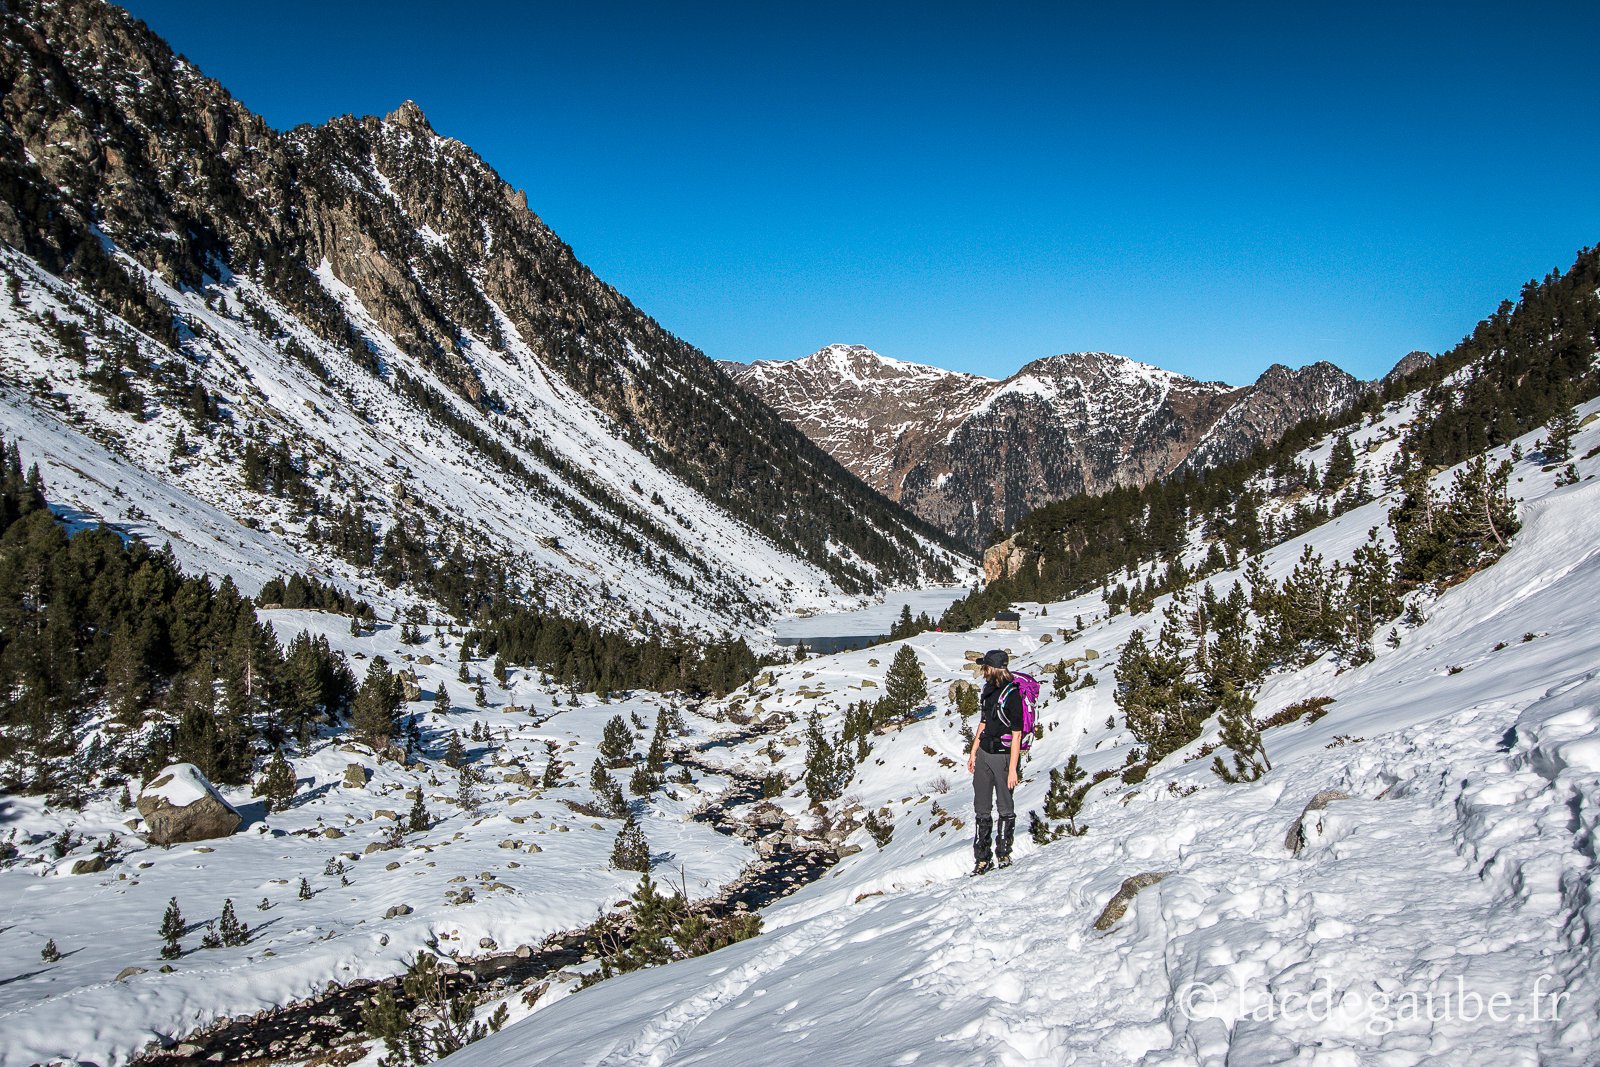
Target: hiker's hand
x,y
972,763
1011,779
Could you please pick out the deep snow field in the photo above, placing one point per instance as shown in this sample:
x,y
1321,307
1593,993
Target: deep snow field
x,y
1441,915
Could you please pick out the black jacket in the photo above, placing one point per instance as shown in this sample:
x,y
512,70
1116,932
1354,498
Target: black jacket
x,y
998,721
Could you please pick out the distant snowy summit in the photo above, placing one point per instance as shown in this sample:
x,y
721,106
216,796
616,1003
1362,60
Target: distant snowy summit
x,y
971,454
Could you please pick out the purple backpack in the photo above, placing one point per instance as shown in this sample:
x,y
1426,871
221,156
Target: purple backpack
x,y
1029,688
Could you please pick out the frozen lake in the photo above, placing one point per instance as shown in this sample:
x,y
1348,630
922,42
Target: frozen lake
x,y
874,620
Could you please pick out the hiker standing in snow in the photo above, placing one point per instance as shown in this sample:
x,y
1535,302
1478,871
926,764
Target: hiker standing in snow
x,y
993,759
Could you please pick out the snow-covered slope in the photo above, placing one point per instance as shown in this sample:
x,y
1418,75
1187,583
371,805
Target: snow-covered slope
x,y
371,297
1441,914
971,454
528,865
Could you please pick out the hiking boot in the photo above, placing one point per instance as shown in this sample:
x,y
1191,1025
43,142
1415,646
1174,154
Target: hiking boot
x,y
983,867
981,845
1002,839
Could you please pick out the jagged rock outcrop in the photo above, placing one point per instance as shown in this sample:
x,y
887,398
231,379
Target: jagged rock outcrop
x,y
972,455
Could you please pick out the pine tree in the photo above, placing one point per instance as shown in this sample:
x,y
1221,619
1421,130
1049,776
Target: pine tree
x,y
1341,463
127,677
905,687
467,796
656,757
617,741
1240,733
418,819
172,928
1369,596
1163,706
1066,795
1440,539
373,714
50,954
642,782
1559,431
455,753
904,627
234,933
552,772
823,777
304,892
631,852
277,782
967,701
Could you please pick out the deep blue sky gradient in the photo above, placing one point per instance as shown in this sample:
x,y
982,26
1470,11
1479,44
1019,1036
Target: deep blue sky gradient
x,y
1210,188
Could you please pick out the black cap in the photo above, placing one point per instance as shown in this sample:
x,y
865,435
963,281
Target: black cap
x,y
995,657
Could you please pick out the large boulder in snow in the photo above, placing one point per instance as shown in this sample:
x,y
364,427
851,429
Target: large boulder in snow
x,y
179,804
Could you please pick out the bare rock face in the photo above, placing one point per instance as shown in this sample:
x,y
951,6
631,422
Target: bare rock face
x,y
1117,906
1002,560
972,455
180,804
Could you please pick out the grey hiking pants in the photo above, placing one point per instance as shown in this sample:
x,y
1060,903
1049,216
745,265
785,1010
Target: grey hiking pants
x,y
989,776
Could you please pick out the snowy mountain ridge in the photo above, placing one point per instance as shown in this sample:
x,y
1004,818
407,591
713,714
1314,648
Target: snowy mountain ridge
x,y
972,454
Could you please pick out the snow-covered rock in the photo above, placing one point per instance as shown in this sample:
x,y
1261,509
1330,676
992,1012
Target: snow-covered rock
x,y
181,804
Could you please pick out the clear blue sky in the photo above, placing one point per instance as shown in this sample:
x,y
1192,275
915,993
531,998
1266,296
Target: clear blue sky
x,y
1211,188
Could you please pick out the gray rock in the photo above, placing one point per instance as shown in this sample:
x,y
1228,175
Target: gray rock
x,y
487,944
397,910
127,972
1295,840
179,804
92,865
1117,906
355,776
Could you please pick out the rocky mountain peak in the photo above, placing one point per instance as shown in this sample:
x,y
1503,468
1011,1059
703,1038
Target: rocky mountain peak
x,y
409,116
853,364
972,454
